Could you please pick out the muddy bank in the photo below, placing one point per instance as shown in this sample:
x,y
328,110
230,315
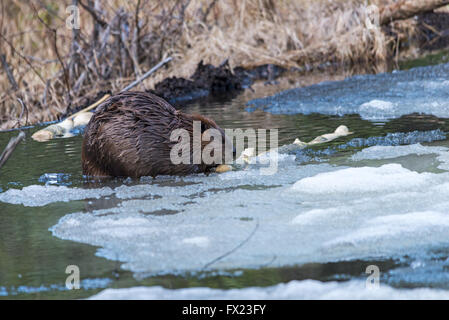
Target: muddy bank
x,y
425,33
205,81
433,30
210,80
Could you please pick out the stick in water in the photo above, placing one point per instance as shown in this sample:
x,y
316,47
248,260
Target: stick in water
x,y
12,144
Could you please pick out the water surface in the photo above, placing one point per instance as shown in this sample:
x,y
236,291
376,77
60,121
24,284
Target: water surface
x,y
173,232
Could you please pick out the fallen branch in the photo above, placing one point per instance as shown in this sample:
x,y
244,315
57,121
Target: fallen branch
x,y
12,144
407,9
147,74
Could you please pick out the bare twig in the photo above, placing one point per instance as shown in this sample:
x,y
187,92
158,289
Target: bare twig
x,y
135,48
234,249
74,55
12,144
24,109
147,74
93,14
9,74
55,47
23,57
44,98
208,10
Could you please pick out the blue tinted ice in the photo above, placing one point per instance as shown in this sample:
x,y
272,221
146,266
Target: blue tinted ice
x,y
374,97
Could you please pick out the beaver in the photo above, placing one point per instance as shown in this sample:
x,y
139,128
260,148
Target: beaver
x,y
129,135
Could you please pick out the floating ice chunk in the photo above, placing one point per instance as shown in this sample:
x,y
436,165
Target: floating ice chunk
x,y
399,225
198,241
394,233
389,177
249,156
314,216
61,179
306,289
377,104
273,155
444,159
390,152
36,196
377,110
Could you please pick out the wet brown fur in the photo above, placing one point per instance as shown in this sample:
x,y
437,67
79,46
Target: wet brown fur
x,y
129,136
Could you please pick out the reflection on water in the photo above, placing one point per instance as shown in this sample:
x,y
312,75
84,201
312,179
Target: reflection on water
x,y
31,257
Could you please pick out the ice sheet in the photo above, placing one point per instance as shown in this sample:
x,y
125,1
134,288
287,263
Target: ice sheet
x,y
388,178
312,213
374,97
391,152
36,195
307,289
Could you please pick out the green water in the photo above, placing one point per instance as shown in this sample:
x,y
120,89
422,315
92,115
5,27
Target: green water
x,y
427,60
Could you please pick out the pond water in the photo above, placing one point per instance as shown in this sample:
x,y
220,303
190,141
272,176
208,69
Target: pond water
x,y
376,197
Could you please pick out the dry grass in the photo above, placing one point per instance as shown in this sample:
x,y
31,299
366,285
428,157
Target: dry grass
x,y
56,68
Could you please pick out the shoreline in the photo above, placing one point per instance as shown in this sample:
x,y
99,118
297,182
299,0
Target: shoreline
x,y
181,92
297,37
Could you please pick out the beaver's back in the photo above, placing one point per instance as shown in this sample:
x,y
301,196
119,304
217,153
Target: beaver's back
x,y
129,135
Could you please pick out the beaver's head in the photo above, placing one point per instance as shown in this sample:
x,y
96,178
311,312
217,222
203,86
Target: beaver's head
x,y
215,147
212,137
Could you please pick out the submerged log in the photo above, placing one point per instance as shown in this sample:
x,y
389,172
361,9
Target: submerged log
x,y
405,9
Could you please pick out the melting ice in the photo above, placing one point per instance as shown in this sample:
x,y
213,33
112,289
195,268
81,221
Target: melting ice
x,y
307,289
304,213
374,97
